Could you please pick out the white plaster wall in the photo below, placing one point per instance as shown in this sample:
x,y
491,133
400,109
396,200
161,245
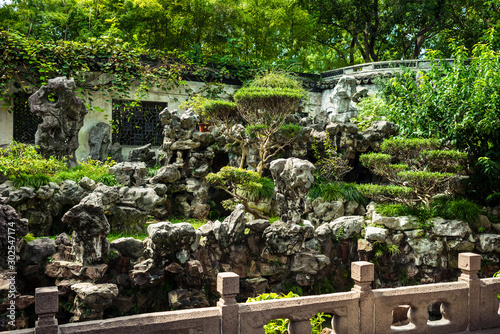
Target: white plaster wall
x,y
172,97
6,124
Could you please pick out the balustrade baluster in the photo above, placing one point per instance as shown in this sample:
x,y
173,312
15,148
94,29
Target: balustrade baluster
x,y
46,306
470,264
228,285
363,274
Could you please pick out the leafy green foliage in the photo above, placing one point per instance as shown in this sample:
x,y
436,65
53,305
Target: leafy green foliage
x,y
457,208
383,193
93,169
413,163
370,109
290,130
22,162
243,185
280,326
330,166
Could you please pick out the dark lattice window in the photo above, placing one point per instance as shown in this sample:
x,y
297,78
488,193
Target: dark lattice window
x,y
137,124
25,123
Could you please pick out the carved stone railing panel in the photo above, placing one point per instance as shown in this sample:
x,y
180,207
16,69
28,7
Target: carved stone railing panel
x,y
344,307
453,295
490,308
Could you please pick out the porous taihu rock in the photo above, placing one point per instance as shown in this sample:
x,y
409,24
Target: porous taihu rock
x,y
100,141
62,114
292,179
90,228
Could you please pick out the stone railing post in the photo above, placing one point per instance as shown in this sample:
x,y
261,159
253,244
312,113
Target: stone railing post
x,y
470,264
228,285
363,274
46,306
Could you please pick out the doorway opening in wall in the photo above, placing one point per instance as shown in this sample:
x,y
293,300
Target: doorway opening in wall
x,y
25,123
137,123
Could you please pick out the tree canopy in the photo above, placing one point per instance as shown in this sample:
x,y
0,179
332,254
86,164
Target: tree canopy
x,y
309,36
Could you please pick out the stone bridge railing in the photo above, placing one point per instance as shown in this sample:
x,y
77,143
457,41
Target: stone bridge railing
x,y
467,305
378,68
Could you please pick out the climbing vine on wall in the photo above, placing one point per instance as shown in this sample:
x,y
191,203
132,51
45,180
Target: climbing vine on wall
x,y
104,64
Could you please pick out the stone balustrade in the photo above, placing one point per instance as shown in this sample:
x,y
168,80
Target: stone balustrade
x,y
467,305
379,67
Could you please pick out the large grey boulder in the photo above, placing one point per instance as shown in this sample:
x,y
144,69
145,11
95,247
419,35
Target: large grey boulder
x,y
129,173
286,239
92,299
450,228
38,250
129,247
62,114
168,241
309,263
90,228
100,141
339,107
292,180
340,228
143,154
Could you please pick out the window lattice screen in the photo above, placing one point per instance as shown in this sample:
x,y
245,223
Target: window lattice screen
x,y
137,124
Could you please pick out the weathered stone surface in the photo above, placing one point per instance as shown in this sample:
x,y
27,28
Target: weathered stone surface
x,y
327,211
450,228
341,228
376,233
258,225
427,251
143,154
185,145
167,174
395,223
9,219
339,107
292,179
87,184
63,269
62,114
309,263
186,299
167,239
489,243
90,228
100,141
281,238
92,299
144,199
129,247
129,173
39,250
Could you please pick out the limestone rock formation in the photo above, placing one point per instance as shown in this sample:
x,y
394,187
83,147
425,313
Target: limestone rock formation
x,y
340,108
62,114
100,141
143,154
129,173
292,179
90,228
9,219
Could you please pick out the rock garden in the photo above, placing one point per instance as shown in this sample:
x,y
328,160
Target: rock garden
x,y
285,200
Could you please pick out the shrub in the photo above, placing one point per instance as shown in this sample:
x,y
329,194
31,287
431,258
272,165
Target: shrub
x,y
26,167
384,193
93,169
458,208
243,185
